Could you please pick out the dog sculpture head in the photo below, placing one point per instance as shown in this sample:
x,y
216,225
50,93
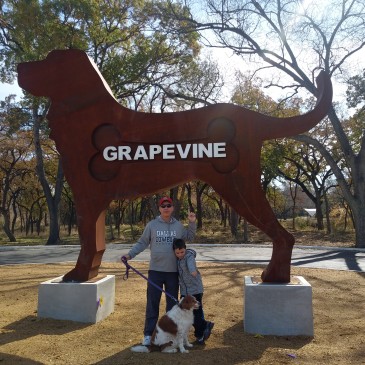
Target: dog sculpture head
x,y
40,78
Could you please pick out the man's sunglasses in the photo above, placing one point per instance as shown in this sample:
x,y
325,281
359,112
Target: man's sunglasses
x,y
166,206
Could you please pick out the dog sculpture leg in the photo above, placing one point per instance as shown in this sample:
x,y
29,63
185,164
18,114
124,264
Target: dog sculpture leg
x,y
257,210
278,269
92,241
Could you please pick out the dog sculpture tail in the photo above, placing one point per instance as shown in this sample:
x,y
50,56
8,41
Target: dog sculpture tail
x,y
287,127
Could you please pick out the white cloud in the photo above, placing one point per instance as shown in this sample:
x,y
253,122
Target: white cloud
x,y
7,89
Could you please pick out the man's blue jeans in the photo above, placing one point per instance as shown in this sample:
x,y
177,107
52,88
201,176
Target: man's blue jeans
x,y
170,282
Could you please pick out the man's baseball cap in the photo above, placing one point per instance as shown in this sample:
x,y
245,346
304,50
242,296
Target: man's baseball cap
x,y
165,199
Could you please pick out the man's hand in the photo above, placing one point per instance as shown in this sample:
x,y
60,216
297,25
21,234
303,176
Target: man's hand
x,y
191,217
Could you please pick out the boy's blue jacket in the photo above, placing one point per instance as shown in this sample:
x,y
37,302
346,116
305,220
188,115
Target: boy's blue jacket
x,y
188,283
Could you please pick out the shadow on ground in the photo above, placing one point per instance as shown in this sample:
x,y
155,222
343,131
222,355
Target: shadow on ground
x,y
237,347
32,326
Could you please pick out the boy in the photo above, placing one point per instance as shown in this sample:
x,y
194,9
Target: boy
x,y
190,282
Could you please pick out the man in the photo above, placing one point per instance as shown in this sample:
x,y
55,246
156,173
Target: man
x,y
158,235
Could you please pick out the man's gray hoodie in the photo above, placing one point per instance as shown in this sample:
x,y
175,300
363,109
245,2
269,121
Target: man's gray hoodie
x,y
159,235
188,283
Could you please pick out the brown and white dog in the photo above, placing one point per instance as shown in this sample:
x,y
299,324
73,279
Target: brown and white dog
x,y
172,330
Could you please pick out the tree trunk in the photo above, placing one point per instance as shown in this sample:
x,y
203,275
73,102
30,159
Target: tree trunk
x,y
347,213
6,227
328,221
27,223
245,231
71,217
39,224
319,214
174,194
360,231
153,206
53,204
54,234
234,223
15,215
222,211
188,189
5,207
110,222
359,222
52,201
199,211
358,211
226,215
199,190
293,195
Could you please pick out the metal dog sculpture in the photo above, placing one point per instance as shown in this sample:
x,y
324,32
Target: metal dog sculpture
x,y
109,152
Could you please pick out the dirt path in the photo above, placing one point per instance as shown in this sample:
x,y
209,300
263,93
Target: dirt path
x,y
339,322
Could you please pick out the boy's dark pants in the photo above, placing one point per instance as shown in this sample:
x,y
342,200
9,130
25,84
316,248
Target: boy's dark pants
x,y
199,321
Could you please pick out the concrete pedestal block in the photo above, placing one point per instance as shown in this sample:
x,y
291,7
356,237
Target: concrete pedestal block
x,y
89,302
278,309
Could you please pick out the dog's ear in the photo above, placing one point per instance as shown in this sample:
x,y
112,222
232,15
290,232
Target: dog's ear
x,y
187,302
181,302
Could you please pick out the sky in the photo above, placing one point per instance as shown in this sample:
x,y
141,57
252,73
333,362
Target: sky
x,y
6,89
225,61
228,65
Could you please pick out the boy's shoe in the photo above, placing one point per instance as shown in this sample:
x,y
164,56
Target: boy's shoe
x,y
146,341
200,341
208,330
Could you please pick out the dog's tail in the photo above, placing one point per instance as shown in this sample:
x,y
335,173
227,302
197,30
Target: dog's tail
x,y
287,127
140,348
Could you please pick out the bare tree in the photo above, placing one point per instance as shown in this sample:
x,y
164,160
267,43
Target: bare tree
x,y
292,42
15,162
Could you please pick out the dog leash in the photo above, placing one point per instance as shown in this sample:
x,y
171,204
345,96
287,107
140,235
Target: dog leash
x,y
126,275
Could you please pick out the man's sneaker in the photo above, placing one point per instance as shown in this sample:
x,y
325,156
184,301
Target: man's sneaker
x,y
208,330
146,341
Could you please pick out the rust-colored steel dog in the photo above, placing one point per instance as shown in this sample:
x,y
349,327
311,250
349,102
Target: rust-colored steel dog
x,y
110,152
